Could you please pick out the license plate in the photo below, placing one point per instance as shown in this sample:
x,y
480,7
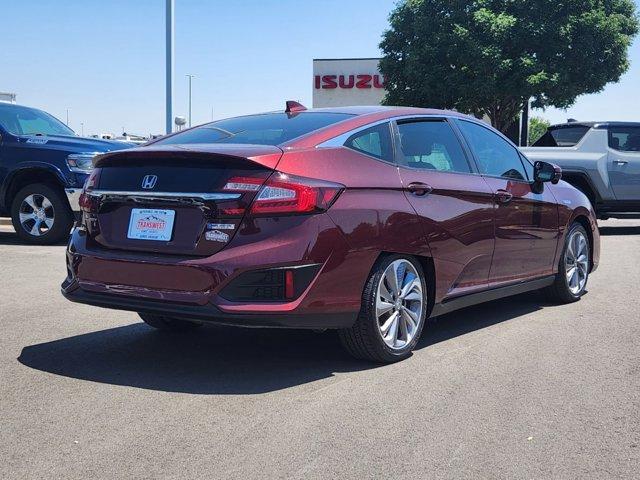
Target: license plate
x,y
151,224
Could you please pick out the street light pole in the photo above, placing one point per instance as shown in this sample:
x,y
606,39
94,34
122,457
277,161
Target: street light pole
x,y
190,78
169,65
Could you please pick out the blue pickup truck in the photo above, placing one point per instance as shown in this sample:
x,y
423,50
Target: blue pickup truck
x,y
43,166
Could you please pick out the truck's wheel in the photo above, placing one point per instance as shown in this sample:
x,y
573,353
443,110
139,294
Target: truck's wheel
x,y
41,215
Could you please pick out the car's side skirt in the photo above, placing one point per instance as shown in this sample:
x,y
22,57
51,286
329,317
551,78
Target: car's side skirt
x,y
449,305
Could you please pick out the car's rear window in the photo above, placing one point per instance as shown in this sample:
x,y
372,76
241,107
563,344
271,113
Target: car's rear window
x,y
562,136
264,129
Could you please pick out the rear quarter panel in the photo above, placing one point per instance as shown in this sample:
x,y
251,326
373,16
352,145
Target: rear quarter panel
x,y
372,212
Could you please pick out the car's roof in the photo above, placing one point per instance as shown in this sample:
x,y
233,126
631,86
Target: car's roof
x,y
599,125
390,110
361,116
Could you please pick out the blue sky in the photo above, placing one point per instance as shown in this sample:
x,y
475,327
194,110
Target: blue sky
x,y
104,60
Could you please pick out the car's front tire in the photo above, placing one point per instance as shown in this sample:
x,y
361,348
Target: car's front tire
x,y
393,312
41,215
573,270
168,324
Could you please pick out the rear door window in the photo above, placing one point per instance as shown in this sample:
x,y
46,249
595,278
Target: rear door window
x,y
624,139
562,136
374,141
495,156
431,145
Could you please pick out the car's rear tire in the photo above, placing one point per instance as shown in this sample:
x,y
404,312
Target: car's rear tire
x,y
41,215
573,269
168,324
392,315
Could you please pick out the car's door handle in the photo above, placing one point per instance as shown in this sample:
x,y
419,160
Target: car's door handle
x,y
502,196
419,188
620,162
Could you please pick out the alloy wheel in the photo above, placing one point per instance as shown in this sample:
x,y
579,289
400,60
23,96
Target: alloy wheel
x,y
36,214
399,304
576,262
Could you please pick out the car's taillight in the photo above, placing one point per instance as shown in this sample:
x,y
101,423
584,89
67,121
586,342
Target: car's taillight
x,y
87,202
284,194
93,179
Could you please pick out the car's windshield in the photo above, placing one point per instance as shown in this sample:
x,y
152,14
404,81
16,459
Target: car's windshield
x,y
30,121
263,129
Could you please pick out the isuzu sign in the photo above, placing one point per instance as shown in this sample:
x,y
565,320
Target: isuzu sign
x,y
349,81
363,80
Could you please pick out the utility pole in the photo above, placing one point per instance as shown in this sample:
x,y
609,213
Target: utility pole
x,y
169,65
190,78
524,125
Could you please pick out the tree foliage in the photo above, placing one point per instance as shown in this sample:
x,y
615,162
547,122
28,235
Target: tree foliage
x,y
488,57
537,127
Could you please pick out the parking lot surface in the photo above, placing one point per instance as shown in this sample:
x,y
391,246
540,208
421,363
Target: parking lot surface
x,y
516,388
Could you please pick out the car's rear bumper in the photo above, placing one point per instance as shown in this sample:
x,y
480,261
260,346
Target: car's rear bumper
x,y
208,313
196,287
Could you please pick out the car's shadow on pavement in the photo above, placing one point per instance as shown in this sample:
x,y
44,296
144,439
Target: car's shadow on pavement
x,y
626,230
218,360
10,238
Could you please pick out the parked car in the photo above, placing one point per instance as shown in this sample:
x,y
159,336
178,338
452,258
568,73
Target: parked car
x,y
601,159
367,220
43,165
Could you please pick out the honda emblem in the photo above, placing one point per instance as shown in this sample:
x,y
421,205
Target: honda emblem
x,y
149,181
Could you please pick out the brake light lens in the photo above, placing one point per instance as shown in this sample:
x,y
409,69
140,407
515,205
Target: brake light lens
x,y
87,202
92,180
285,194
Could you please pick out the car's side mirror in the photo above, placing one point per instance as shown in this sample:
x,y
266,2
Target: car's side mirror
x,y
546,172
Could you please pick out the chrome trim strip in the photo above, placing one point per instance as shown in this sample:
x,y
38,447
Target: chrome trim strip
x,y
150,194
340,140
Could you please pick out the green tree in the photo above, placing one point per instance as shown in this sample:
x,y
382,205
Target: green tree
x,y
489,57
537,127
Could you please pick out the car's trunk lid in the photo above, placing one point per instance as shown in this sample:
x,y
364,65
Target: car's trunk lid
x,y
173,200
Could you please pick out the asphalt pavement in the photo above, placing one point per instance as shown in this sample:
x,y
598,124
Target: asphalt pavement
x,y
516,388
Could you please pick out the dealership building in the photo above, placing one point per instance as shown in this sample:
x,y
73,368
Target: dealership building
x,y
340,82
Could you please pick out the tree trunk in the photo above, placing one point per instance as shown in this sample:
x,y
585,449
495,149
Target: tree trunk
x,y
504,112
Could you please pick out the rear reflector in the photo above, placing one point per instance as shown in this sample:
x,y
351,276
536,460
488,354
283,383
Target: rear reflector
x,y
270,285
287,195
289,291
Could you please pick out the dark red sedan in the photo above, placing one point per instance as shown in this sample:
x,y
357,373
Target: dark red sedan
x,y
368,220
